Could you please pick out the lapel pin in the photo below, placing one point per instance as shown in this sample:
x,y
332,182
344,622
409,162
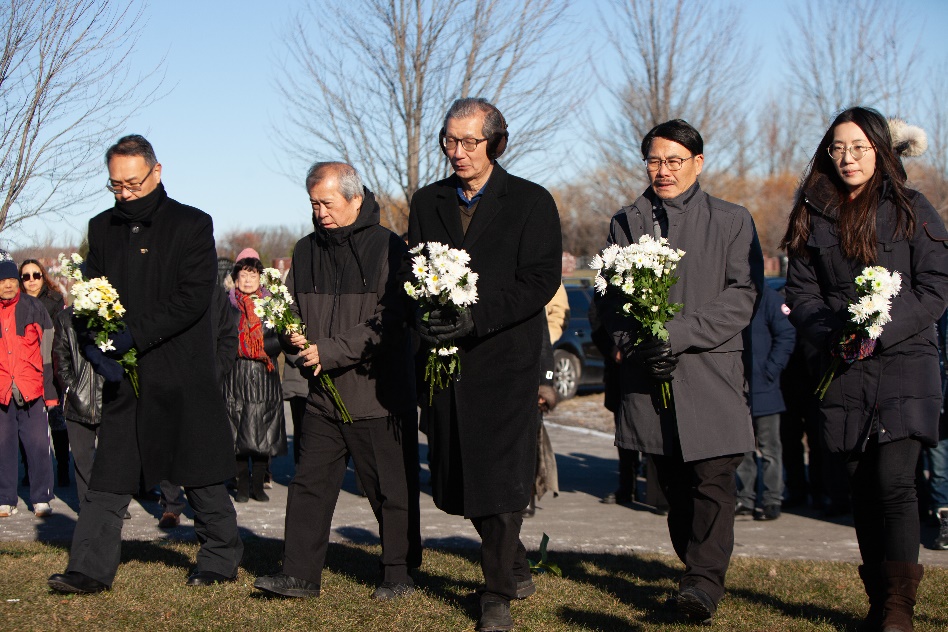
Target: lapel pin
x,y
144,251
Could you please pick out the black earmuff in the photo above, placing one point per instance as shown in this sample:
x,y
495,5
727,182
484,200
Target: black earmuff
x,y
496,144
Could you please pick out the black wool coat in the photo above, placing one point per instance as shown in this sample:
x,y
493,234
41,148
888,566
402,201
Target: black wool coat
x,y
164,269
483,428
896,391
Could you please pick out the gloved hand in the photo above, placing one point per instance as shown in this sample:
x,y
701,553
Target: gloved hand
x,y
853,347
443,325
122,341
657,356
650,348
108,368
661,367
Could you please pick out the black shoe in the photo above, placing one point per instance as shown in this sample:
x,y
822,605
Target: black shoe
x,y
769,512
617,498
208,578
74,582
391,590
743,510
495,617
525,588
260,496
695,604
941,542
286,586
241,497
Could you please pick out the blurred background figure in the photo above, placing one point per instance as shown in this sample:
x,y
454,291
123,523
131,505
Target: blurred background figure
x,y
934,490
252,391
35,281
768,344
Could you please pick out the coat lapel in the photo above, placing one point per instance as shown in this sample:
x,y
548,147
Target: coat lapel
x,y
449,213
488,207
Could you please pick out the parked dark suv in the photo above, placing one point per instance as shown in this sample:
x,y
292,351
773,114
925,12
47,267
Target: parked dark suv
x,y
576,360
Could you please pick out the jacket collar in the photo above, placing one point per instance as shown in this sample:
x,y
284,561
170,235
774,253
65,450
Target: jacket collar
x,y
487,209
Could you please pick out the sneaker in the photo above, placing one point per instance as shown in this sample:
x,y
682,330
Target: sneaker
x,y
769,512
7,510
941,542
42,510
743,510
169,520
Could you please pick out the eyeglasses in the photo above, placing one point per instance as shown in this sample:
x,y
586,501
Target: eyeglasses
x,y
469,144
36,276
673,164
836,151
131,188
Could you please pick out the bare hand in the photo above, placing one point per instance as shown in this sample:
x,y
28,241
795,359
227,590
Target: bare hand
x,y
298,340
310,356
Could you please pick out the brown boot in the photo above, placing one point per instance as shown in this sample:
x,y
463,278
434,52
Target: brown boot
x,y
900,580
875,589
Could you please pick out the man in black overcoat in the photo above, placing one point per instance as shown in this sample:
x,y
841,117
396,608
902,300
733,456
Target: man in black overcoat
x,y
160,257
482,428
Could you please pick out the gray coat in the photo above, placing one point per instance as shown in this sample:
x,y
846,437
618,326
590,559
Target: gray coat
x,y
719,277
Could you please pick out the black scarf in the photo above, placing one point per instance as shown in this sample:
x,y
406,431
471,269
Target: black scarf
x,y
140,209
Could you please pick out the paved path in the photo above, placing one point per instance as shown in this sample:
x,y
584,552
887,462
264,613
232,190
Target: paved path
x,y
575,520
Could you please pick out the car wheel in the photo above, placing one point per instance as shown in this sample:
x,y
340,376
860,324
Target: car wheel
x,y
566,372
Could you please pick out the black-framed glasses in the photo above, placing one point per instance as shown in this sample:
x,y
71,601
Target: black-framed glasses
x,y
836,150
131,188
36,276
673,164
469,144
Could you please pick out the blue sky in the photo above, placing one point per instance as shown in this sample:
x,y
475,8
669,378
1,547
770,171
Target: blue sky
x,y
213,131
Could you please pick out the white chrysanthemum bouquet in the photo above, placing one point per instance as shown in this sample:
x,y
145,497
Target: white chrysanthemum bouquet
x,y
444,280
875,288
98,302
274,312
642,275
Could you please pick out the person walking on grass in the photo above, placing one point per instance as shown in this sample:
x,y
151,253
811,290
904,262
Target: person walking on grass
x,y
160,257
852,210
697,442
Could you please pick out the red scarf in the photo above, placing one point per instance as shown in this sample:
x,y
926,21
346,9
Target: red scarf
x,y
250,329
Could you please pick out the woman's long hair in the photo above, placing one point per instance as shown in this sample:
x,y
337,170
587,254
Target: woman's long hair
x,y
856,218
47,282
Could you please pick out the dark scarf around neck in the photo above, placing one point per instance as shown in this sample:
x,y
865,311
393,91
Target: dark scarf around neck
x,y
140,209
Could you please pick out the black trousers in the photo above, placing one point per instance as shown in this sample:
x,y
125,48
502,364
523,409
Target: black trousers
x,y
377,448
97,541
701,501
503,556
885,506
82,439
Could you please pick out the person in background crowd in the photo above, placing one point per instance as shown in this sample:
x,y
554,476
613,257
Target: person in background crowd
x,y
482,428
700,439
557,314
768,343
251,388
852,210
295,391
547,477
159,255
35,281
345,290
938,454
26,389
225,332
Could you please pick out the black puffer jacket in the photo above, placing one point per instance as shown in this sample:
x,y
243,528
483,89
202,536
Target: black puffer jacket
x,y
896,391
254,400
345,289
80,385
52,301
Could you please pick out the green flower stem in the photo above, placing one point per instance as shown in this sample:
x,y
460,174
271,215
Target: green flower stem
x,y
327,384
828,378
438,371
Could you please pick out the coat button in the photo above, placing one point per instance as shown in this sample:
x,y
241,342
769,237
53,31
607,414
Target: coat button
x,y
136,229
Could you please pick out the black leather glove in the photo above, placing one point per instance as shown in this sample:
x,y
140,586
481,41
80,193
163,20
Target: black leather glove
x,y
661,367
108,368
650,348
443,325
657,356
122,341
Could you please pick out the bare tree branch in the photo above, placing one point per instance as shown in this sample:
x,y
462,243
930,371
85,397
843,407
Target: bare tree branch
x,y
65,85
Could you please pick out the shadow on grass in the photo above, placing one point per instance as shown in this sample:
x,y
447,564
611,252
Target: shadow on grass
x,y
595,620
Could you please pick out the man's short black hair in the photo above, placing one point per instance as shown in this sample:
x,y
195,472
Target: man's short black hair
x,y
133,145
676,130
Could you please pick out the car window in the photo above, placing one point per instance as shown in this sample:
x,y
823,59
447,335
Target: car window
x,y
578,302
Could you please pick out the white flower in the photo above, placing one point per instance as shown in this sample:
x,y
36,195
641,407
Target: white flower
x,y
107,346
654,308
447,351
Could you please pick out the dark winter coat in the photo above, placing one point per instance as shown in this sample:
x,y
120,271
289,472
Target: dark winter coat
x,y
52,301
80,385
483,429
719,277
345,289
164,269
769,342
254,401
897,390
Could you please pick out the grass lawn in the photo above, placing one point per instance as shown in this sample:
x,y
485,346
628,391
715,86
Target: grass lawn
x,y
597,592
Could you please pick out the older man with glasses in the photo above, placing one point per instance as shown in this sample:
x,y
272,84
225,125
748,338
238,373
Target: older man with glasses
x,y
698,441
159,255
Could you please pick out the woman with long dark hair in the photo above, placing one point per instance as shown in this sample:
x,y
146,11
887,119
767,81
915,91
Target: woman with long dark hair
x,y
35,281
252,390
853,210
